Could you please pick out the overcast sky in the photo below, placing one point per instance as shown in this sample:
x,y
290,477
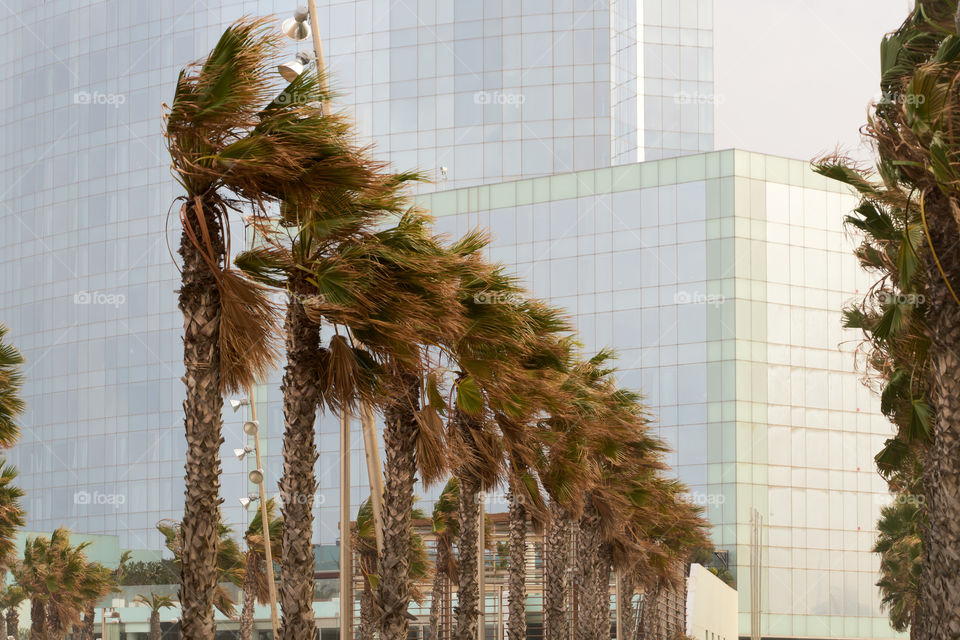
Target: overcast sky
x,y
794,77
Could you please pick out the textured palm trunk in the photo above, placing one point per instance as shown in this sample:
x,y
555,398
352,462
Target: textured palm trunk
x,y
650,617
556,586
249,597
88,617
586,567
604,565
400,434
13,622
200,304
468,587
517,620
154,625
626,613
438,593
368,614
38,620
54,632
298,484
939,606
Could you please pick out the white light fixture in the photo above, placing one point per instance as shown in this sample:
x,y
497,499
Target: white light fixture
x,y
256,476
236,404
297,27
245,502
251,427
242,453
293,68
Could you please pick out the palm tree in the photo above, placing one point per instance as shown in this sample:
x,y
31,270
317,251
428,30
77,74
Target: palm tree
x,y
445,530
382,289
256,586
11,380
11,600
59,581
229,562
11,512
155,603
917,146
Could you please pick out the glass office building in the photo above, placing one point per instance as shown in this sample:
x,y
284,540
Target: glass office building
x,y
487,99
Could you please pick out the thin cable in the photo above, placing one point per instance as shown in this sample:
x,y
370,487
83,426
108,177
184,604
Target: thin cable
x,y
926,230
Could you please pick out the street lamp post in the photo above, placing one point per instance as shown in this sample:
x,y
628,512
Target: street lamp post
x,y
265,520
257,476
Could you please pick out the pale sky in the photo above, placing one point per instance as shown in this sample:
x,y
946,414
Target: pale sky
x,y
794,78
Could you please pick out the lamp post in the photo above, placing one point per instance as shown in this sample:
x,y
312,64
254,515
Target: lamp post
x,y
252,428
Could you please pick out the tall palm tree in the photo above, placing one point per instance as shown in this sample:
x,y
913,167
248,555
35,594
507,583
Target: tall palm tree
x,y
12,514
229,562
445,527
256,587
11,381
155,602
917,144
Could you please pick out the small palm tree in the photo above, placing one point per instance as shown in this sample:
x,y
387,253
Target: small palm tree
x,y
365,542
901,549
256,586
155,603
11,381
445,530
10,602
229,561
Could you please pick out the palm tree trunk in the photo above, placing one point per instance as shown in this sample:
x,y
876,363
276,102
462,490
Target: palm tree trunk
x,y
626,620
401,431
249,599
468,589
13,622
438,594
939,606
88,615
154,625
298,484
649,615
368,614
38,620
517,620
200,305
556,586
53,624
604,566
587,571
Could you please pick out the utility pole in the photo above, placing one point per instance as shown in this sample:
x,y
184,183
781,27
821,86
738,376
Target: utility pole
x,y
346,550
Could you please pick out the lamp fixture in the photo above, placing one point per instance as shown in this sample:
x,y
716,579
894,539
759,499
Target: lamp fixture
x,y
251,427
242,453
